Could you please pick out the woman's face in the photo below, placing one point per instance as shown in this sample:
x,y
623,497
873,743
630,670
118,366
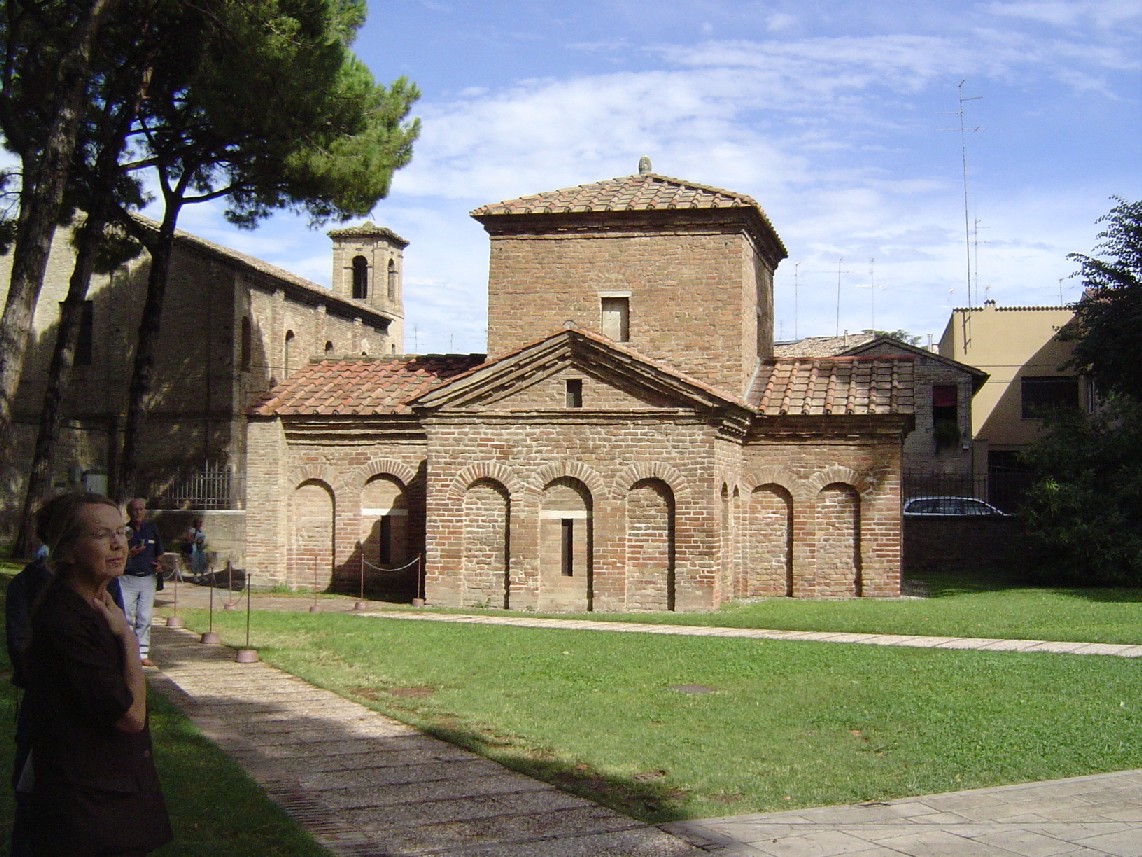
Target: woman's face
x,y
101,548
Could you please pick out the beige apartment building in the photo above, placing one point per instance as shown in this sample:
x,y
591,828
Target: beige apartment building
x,y
1020,350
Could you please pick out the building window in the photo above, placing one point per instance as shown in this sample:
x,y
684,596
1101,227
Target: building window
x,y
574,392
392,280
616,318
360,278
328,349
288,355
1041,396
84,342
385,555
567,547
945,416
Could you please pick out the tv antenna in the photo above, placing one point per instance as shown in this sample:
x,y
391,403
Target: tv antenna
x,y
964,161
872,287
839,272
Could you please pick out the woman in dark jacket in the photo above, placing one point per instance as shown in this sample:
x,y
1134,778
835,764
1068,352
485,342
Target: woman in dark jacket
x,y
95,791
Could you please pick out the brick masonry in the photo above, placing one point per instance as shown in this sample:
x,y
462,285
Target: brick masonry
x,y
571,473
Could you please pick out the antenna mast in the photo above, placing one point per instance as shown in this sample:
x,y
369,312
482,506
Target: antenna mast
x,y
964,158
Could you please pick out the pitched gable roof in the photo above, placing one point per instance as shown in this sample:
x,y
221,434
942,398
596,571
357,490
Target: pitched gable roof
x,y
592,349
821,346
840,386
361,386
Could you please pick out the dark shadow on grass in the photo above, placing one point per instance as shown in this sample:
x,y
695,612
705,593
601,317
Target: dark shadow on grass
x,y
947,584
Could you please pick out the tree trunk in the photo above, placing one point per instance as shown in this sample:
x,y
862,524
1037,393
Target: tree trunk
x,y
124,486
59,373
45,175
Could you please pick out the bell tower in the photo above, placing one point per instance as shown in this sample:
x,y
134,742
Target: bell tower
x,y
368,268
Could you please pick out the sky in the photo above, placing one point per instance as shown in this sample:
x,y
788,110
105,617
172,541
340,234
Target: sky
x,y
913,156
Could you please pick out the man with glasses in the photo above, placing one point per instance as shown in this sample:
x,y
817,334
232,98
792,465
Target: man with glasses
x,y
144,547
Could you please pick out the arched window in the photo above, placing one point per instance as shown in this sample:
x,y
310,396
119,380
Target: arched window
x,y
360,278
392,280
328,349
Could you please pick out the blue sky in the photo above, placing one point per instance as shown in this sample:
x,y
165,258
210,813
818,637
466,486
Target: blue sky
x,y
841,119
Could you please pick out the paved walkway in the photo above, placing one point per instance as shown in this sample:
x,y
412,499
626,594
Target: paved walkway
x,y
365,785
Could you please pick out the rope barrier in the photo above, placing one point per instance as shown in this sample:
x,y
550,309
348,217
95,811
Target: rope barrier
x,y
404,567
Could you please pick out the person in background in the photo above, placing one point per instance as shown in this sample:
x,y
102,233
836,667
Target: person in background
x,y
140,578
196,538
94,788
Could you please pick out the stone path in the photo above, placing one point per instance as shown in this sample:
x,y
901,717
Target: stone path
x,y
366,785
979,643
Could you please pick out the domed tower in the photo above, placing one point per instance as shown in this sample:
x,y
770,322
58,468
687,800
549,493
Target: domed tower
x,y
368,267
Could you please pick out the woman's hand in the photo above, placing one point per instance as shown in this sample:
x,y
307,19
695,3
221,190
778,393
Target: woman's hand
x,y
106,605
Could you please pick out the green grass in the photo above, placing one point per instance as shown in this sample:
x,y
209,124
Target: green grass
x,y
776,725
957,606
780,725
215,808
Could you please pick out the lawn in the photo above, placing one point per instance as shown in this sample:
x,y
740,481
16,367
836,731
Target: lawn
x,y
686,727
957,606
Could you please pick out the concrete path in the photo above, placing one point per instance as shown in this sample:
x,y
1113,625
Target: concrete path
x,y
366,785
1081,817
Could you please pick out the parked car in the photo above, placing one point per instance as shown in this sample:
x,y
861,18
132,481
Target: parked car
x,y
947,507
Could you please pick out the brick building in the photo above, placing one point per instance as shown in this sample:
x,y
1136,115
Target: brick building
x,y
232,327
938,455
630,442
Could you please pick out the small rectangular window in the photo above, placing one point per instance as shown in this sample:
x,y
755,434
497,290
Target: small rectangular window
x,y
574,393
385,554
84,343
616,319
945,416
567,547
1041,396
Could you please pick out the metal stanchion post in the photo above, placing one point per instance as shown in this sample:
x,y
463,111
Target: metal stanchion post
x,y
211,637
313,609
247,655
419,600
173,621
361,605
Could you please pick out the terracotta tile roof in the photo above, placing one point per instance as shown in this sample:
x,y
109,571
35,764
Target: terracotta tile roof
x,y
361,386
821,346
839,386
367,229
642,192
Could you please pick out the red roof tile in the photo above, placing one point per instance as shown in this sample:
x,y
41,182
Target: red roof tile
x,y
642,192
361,386
834,387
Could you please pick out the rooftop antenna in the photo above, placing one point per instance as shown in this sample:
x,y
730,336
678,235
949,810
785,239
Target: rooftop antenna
x,y
796,270
964,159
839,272
872,291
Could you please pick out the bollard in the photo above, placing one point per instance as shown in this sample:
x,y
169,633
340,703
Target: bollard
x,y
247,655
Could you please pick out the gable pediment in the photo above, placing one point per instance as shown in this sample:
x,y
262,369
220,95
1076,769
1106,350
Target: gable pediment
x,y
542,377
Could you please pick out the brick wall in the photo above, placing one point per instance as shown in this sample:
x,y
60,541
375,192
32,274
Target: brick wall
x,y
201,387
693,293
